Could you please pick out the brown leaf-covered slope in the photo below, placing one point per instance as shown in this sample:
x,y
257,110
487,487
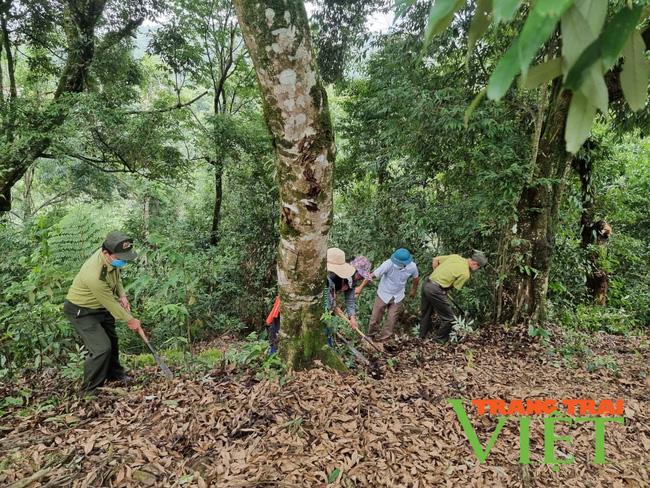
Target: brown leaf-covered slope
x,y
228,429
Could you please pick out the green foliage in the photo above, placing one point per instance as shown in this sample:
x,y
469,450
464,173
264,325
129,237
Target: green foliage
x,y
209,358
621,183
340,31
413,168
76,237
595,319
635,74
538,27
408,182
254,354
182,289
462,329
73,368
588,50
603,362
34,331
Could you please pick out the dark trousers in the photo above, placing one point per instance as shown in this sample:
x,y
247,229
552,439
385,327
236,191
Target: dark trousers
x,y
96,328
434,299
274,335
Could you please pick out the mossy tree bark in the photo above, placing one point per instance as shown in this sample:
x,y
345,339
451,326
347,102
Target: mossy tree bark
x,y
527,248
295,108
594,234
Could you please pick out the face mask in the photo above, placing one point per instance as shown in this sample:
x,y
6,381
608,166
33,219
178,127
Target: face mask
x,y
118,263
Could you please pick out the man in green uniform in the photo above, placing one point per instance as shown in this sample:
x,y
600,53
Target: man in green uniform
x,y
449,272
95,300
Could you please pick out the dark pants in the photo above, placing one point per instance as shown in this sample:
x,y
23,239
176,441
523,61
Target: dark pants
x,y
96,328
434,299
274,335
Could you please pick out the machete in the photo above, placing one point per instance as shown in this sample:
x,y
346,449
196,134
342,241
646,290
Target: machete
x,y
161,364
363,336
355,352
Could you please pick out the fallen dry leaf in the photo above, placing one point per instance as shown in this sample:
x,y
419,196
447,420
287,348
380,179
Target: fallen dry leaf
x,y
394,428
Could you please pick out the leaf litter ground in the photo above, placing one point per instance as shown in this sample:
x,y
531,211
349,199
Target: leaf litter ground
x,y
389,426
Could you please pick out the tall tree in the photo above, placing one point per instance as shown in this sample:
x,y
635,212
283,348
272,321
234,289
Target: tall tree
x,y
594,233
204,44
579,45
296,111
80,20
526,251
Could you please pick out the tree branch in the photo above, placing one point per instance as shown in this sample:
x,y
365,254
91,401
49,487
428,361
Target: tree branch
x,y
55,199
167,109
94,162
99,137
112,38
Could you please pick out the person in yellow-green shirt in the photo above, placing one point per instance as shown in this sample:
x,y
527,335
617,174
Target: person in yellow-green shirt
x,y
449,272
94,301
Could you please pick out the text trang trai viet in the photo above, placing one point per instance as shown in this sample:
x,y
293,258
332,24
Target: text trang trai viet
x,y
551,412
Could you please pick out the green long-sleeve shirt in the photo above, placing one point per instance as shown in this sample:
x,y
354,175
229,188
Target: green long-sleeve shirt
x,y
96,286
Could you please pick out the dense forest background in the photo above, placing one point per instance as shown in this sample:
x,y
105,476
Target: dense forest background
x,y
162,135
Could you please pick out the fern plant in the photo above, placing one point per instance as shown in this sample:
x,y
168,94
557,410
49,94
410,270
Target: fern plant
x,y
77,236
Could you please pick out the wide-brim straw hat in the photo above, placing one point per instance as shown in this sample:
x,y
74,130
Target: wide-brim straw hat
x,y
336,263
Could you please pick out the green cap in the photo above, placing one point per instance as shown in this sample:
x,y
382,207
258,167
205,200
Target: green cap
x,y
480,258
120,245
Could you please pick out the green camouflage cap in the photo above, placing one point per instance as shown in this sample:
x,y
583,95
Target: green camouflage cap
x,y
480,258
120,245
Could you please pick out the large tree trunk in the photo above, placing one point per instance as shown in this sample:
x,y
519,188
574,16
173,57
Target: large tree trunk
x,y
527,248
295,107
81,18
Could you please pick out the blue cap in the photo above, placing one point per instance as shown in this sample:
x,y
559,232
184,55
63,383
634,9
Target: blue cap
x,y
401,257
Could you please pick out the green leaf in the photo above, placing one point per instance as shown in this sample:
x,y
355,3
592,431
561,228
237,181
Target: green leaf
x,y
581,25
578,123
480,24
542,73
333,476
606,48
634,77
440,16
617,33
402,6
12,401
539,25
472,106
504,10
595,88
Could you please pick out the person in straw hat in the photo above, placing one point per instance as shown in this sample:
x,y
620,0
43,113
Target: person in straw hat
x,y
339,281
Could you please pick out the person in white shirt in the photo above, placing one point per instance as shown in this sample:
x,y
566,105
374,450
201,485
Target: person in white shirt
x,y
394,273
